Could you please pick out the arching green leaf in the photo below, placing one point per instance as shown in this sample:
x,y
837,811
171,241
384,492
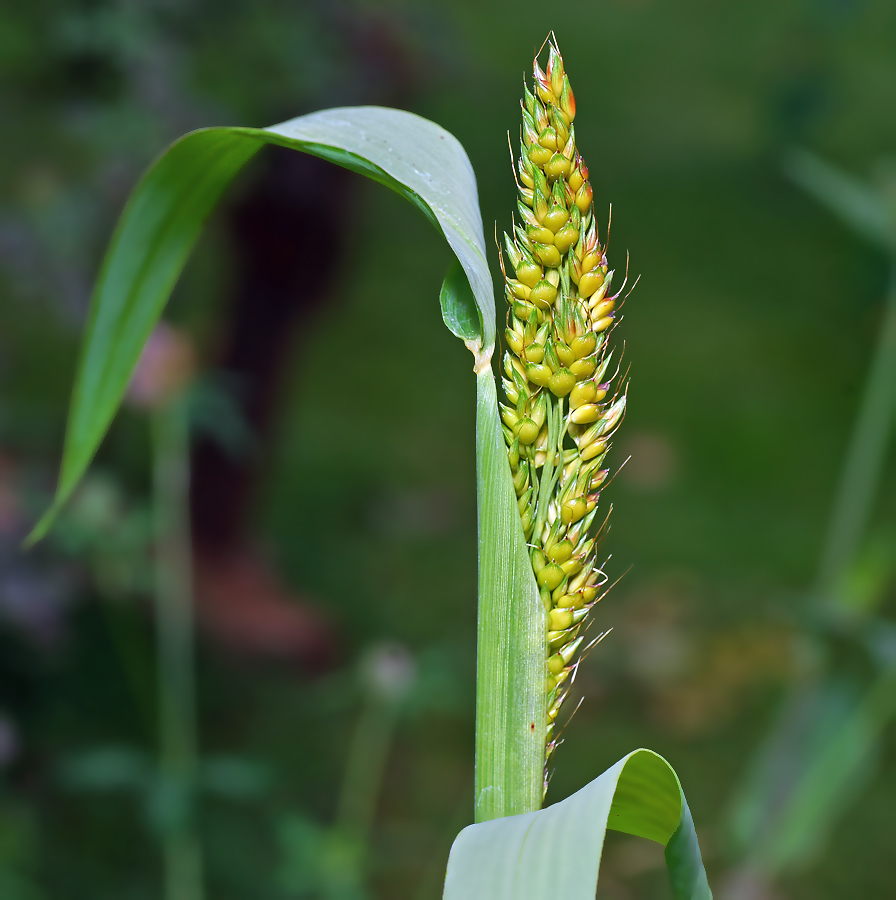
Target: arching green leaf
x,y
166,212
556,852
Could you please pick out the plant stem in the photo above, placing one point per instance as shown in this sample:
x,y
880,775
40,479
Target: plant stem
x,y
864,459
182,857
511,646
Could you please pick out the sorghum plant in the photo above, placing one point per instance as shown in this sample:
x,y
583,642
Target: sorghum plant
x,y
538,572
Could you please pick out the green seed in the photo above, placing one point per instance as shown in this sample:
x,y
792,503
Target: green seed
x,y
557,166
583,368
543,294
557,639
547,254
540,410
573,510
559,619
538,234
581,394
538,154
514,340
534,353
529,273
584,196
583,345
550,576
564,353
571,601
526,430
548,140
588,283
561,552
522,310
562,382
556,219
556,664
590,412
593,450
509,416
539,374
566,237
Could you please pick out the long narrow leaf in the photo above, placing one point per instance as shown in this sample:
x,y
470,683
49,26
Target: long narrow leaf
x,y
556,852
168,208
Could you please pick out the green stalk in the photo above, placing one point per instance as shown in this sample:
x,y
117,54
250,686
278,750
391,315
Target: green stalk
x,y
182,858
510,696
864,459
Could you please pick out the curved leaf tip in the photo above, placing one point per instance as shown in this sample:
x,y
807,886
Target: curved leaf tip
x,y
463,316
459,309
556,851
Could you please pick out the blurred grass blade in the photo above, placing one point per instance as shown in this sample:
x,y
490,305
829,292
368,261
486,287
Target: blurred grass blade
x,y
166,212
845,196
556,852
823,748
859,483
821,757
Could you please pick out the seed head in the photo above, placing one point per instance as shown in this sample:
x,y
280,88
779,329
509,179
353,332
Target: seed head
x,y
561,408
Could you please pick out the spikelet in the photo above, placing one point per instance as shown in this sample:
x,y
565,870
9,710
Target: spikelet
x,y
561,410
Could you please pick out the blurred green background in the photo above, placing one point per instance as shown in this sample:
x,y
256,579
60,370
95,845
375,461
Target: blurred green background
x,y
749,338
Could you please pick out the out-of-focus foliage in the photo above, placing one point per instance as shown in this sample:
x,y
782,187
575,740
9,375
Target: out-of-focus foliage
x,y
749,334
826,744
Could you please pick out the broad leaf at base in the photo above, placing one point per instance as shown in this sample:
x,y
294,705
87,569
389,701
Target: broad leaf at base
x,y
556,852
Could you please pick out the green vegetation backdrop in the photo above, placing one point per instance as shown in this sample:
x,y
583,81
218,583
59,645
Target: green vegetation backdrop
x,y
749,338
